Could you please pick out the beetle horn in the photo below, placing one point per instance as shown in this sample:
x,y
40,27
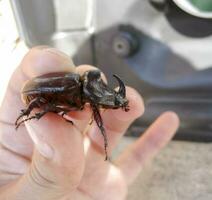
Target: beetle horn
x,y
122,89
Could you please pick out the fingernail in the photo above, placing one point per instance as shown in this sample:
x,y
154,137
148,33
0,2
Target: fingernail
x,y
43,148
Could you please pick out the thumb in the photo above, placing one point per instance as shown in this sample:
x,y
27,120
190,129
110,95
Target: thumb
x,y
58,160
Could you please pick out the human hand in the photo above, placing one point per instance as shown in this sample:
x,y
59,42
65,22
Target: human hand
x,y
51,159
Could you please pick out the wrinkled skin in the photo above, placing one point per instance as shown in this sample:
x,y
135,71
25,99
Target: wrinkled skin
x,y
50,159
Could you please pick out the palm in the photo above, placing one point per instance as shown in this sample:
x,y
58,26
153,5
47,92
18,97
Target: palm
x,y
78,167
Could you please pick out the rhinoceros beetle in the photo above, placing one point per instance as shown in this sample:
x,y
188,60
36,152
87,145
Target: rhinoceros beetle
x,y
64,92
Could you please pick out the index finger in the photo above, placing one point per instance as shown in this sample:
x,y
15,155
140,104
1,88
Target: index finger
x,y
38,61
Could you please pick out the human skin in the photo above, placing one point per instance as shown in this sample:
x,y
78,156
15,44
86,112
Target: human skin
x,y
50,159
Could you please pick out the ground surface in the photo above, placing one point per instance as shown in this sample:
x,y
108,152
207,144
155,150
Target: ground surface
x,y
182,171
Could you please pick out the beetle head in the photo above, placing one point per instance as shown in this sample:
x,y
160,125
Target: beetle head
x,y
121,100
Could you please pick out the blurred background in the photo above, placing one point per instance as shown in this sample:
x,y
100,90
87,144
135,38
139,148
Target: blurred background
x,y
12,49
163,48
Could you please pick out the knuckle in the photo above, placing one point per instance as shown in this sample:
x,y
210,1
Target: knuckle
x,y
37,177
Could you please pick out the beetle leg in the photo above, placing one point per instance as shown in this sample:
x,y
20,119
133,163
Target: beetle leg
x,y
69,121
97,117
64,113
36,116
91,121
61,111
35,103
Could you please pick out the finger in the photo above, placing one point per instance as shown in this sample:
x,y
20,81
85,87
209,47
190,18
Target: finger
x,y
18,142
57,164
6,178
38,61
116,122
18,166
58,144
147,146
81,69
12,166
59,148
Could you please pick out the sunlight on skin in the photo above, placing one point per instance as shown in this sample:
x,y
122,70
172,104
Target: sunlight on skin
x,y
87,144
